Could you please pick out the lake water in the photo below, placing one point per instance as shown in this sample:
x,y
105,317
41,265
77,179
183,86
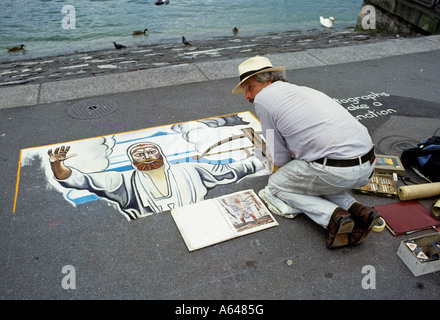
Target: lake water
x,y
38,24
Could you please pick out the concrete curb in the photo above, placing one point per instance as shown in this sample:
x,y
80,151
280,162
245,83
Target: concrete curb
x,y
120,82
34,94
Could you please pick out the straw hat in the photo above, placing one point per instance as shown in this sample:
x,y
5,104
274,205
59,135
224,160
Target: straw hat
x,y
251,67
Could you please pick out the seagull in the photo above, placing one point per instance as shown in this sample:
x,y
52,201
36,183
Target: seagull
x,y
185,42
235,30
119,46
138,32
13,49
327,22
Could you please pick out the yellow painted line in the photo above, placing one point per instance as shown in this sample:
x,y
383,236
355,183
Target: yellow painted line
x,y
16,186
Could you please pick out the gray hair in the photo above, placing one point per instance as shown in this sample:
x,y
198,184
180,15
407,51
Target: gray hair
x,y
271,76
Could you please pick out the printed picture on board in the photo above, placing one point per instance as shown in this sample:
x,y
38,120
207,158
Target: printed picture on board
x,y
245,210
222,218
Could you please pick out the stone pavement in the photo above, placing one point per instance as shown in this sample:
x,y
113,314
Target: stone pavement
x,y
391,87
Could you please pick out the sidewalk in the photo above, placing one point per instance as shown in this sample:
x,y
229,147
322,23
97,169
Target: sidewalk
x,y
397,81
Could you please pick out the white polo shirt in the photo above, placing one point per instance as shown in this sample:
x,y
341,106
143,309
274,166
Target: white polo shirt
x,y
309,123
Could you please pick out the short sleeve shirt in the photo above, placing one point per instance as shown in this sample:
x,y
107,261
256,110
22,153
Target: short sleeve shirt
x,y
308,123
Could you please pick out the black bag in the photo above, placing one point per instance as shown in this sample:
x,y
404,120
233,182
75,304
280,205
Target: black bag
x,y
425,157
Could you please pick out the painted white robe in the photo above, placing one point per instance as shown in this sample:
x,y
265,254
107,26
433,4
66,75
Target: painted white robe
x,y
137,196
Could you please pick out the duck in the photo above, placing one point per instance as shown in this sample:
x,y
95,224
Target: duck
x,y
185,42
328,23
160,2
13,49
119,46
235,30
139,32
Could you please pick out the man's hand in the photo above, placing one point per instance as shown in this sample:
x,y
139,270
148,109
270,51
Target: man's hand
x,y
60,154
57,159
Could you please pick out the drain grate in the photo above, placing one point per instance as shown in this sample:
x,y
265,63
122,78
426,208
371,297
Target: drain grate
x,y
92,108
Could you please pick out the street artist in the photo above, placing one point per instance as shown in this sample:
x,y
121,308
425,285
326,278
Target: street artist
x,y
319,151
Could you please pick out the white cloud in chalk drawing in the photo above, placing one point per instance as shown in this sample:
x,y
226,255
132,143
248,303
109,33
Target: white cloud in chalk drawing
x,y
91,156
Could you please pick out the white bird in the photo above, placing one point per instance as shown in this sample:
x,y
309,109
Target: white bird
x,y
328,23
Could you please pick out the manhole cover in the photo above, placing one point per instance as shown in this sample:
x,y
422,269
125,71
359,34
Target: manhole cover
x,y
92,108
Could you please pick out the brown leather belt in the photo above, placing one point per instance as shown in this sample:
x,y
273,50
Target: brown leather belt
x,y
349,162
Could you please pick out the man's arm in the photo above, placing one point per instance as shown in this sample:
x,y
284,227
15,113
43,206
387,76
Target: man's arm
x,y
57,159
276,145
109,184
213,175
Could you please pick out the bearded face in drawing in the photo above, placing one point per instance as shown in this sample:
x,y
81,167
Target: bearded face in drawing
x,y
146,156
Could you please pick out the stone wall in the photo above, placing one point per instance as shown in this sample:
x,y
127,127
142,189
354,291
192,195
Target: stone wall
x,y
401,16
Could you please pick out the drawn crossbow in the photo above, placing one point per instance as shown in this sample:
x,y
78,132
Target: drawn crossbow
x,y
254,137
